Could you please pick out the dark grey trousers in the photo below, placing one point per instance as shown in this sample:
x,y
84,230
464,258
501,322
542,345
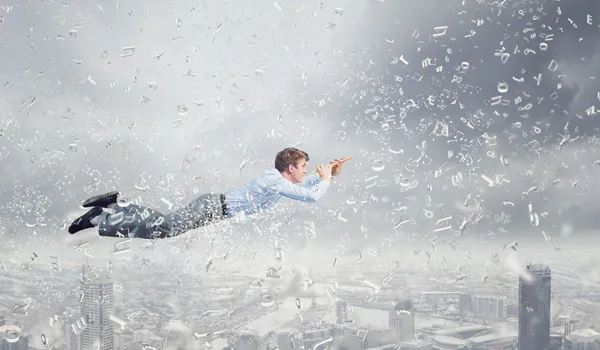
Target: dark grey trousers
x,y
142,222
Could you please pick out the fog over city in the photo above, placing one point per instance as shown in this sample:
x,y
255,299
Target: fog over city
x,y
472,127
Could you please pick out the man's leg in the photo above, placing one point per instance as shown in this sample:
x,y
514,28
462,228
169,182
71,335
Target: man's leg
x,y
132,221
142,222
203,210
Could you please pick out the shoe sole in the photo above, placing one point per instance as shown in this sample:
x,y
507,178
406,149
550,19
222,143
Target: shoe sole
x,y
82,219
93,202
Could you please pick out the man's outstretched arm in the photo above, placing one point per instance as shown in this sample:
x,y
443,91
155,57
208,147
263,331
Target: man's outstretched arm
x,y
311,180
300,192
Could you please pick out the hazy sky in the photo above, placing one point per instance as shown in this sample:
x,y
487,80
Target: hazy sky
x,y
101,95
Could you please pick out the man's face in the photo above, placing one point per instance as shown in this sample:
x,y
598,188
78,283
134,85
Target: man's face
x,y
298,171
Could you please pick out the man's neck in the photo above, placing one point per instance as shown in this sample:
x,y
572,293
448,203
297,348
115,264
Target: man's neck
x,y
286,176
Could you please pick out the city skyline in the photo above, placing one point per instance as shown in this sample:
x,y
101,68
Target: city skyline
x,y
354,322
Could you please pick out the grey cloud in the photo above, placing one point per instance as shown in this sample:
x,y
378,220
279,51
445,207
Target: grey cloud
x,y
288,63
544,124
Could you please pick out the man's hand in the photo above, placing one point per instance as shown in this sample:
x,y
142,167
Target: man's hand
x,y
336,167
324,171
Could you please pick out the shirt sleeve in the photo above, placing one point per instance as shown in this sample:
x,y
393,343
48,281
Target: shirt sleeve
x,y
299,192
311,180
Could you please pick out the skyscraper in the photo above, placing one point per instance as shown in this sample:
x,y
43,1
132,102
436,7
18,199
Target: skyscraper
x,y
569,326
72,335
402,322
534,308
13,338
341,312
119,340
97,307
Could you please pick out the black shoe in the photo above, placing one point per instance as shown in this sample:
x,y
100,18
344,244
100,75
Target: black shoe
x,y
101,200
83,222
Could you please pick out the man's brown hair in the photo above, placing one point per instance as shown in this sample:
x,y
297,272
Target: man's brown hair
x,y
289,156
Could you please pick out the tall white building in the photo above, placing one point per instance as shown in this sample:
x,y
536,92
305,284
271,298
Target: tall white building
x,y
341,312
142,335
402,322
73,335
488,308
97,307
119,340
13,338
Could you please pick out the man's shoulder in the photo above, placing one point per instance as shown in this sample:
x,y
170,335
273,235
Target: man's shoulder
x,y
271,171
270,176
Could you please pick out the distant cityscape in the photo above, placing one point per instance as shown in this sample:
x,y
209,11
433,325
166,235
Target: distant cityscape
x,y
348,315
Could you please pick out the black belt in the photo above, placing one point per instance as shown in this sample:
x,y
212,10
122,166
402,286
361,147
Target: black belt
x,y
223,205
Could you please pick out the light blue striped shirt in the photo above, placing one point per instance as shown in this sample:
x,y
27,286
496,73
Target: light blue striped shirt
x,y
267,188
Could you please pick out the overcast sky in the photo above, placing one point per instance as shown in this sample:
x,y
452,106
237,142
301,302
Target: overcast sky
x,y
176,95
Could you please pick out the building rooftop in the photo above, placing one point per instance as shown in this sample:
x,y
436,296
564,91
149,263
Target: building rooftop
x,y
403,305
449,341
473,328
584,335
586,332
10,328
495,335
538,269
414,342
475,335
